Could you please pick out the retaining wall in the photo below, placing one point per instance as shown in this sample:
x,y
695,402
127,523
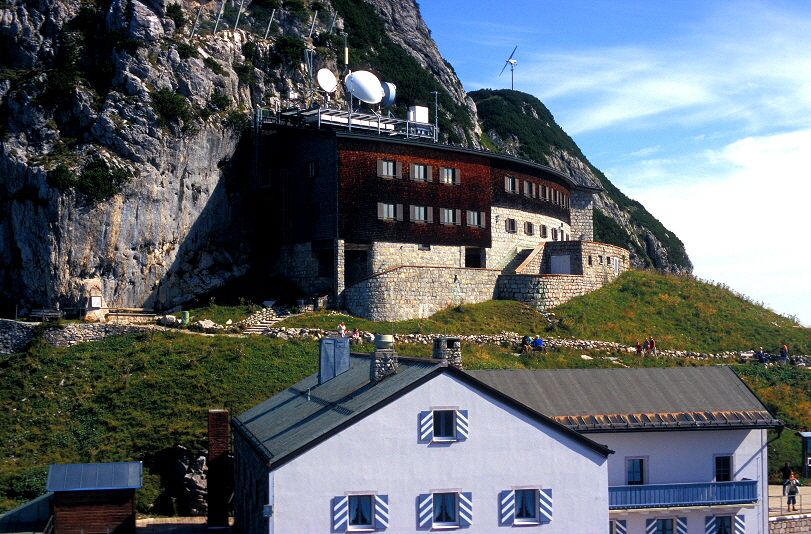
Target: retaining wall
x,y
790,525
15,335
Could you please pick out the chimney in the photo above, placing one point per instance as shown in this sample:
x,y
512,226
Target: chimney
x,y
448,349
219,479
383,361
333,358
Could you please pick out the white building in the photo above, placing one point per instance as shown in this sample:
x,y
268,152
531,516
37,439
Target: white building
x,y
690,443
425,448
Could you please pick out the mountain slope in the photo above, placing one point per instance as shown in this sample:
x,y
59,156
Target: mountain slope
x,y
519,124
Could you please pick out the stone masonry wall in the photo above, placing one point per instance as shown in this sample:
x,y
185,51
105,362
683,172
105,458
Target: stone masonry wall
x,y
410,291
15,335
790,525
543,291
387,255
582,216
505,245
299,263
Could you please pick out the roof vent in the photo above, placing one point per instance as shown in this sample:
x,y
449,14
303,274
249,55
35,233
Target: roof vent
x,y
449,349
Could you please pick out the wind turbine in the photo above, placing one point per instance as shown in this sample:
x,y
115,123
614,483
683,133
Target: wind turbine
x,y
511,62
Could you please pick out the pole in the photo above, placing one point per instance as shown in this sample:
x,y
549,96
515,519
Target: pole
x,y
236,23
272,14
219,16
436,115
196,19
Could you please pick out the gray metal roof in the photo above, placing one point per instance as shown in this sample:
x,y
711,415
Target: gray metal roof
x,y
308,411
635,399
28,518
107,476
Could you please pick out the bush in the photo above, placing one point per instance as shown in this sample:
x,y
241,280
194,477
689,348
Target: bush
x,y
215,66
249,50
171,106
185,51
219,101
62,178
236,121
244,72
99,182
268,4
175,12
290,48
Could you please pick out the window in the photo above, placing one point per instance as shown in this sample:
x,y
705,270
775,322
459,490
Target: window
x,y
525,506
445,509
422,214
423,246
664,526
312,169
360,512
389,212
449,176
590,260
600,259
509,226
529,228
617,526
443,424
554,234
389,169
616,265
510,184
529,189
419,172
543,231
475,218
450,216
723,468
635,471
544,192
724,524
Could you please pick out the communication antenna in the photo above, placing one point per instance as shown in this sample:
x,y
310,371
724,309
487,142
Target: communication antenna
x,y
327,82
511,62
389,95
364,86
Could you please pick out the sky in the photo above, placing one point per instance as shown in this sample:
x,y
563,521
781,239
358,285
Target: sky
x,y
700,110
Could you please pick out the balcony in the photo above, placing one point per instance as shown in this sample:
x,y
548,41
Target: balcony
x,y
680,495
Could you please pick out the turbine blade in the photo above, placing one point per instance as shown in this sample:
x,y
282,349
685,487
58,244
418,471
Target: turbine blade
x,y
504,67
511,55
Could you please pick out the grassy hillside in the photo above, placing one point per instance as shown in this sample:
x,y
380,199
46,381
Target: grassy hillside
x,y
136,397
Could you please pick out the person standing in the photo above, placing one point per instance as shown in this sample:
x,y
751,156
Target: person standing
x,y
653,346
341,329
785,473
793,489
638,348
760,355
784,354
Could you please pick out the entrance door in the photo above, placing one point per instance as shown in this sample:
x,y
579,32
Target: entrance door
x,y
560,265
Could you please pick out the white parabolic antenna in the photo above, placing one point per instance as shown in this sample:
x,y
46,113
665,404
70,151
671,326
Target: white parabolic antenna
x,y
326,80
389,94
364,86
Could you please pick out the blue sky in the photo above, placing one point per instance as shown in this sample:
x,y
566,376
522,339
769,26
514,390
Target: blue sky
x,y
699,110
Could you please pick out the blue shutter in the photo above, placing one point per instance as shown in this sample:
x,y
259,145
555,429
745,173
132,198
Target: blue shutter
x,y
381,521
740,524
465,509
507,507
650,526
620,527
462,427
681,525
340,513
709,524
426,427
545,505
425,511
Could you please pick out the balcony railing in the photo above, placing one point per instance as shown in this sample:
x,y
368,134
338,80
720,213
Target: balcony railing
x,y
676,495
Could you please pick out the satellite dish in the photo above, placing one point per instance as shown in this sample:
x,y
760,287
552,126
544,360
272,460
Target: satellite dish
x,y
364,86
326,80
389,94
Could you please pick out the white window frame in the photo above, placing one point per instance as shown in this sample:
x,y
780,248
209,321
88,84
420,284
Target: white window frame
x,y
449,176
441,524
459,425
444,418
535,519
365,527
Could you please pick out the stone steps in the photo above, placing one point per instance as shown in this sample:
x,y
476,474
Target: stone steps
x,y
261,326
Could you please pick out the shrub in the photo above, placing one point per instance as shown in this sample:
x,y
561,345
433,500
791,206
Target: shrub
x,y
171,106
290,48
236,121
244,72
98,182
175,12
62,178
185,51
219,101
215,66
268,4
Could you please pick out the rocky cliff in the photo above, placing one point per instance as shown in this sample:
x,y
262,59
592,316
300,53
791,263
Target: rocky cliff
x,y
122,154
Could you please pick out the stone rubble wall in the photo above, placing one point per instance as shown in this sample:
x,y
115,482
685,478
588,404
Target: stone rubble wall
x,y
388,255
790,525
15,335
412,292
505,245
543,291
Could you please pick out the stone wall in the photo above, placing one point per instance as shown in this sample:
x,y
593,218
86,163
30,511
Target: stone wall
x,y
581,213
15,335
299,263
410,291
790,525
388,255
505,245
543,291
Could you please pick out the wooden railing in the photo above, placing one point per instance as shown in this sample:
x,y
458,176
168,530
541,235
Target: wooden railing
x,y
677,495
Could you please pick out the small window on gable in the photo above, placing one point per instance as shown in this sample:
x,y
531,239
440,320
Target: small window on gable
x,y
360,512
449,176
443,424
419,172
510,226
526,506
510,184
445,510
529,228
389,169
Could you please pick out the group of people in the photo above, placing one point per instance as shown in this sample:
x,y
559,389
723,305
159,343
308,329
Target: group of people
x,y
532,345
648,347
762,357
791,486
354,337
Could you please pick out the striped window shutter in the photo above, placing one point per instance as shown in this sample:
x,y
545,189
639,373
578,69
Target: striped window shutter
x,y
398,212
458,217
545,505
507,507
620,527
650,526
740,524
398,169
462,425
465,509
457,177
426,427
340,513
681,525
381,512
429,173
429,214
709,525
425,511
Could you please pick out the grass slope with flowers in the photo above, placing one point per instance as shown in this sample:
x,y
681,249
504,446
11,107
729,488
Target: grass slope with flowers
x,y
137,397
